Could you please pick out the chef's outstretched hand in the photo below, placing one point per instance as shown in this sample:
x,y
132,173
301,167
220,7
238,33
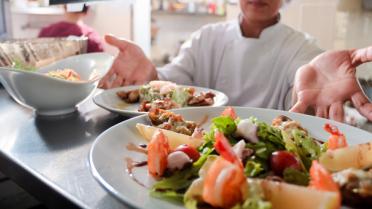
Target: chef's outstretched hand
x,y
130,67
328,81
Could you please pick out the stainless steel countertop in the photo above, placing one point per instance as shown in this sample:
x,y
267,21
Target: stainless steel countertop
x,y
48,156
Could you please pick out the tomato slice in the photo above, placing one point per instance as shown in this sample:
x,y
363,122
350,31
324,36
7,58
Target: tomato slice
x,y
229,111
190,151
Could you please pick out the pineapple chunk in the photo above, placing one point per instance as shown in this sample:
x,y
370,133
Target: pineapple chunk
x,y
357,156
288,196
174,139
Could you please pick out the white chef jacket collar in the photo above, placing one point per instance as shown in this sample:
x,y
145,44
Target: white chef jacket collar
x,y
265,34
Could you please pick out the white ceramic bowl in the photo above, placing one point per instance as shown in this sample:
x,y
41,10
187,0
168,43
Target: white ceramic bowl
x,y
52,96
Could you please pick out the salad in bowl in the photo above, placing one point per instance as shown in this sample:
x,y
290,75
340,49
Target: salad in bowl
x,y
59,87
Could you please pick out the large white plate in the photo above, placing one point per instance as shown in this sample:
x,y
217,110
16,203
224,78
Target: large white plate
x,y
110,101
107,155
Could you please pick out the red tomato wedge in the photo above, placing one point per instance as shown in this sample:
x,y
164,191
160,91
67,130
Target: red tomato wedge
x,y
229,111
190,151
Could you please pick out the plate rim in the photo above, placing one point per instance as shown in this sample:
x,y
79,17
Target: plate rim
x,y
137,113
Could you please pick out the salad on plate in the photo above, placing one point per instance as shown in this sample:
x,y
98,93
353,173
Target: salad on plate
x,y
243,163
165,95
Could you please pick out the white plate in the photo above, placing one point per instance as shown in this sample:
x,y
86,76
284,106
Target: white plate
x,y
109,150
110,101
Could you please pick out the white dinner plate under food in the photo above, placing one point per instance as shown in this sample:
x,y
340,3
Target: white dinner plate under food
x,y
108,100
108,153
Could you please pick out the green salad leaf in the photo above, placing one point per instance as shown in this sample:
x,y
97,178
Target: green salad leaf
x,y
255,198
225,124
270,140
268,133
294,176
191,203
253,168
169,195
308,150
174,186
253,203
19,65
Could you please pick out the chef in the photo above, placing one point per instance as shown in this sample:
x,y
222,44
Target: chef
x,y
253,59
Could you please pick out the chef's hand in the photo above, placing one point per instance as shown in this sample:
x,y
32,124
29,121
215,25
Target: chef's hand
x,y
328,81
130,67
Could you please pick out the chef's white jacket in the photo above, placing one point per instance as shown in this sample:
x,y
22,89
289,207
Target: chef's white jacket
x,y
255,72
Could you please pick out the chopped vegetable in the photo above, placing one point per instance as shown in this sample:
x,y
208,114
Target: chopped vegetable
x,y
294,176
256,198
230,112
282,160
19,65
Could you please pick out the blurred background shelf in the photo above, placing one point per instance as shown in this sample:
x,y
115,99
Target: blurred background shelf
x,y
161,12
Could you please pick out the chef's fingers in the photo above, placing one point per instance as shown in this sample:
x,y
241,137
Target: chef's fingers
x,y
360,56
362,104
299,107
121,44
128,82
359,99
105,80
336,111
119,80
139,82
322,112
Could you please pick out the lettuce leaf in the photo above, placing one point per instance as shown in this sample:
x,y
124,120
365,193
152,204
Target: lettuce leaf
x,y
169,195
267,133
255,198
191,203
224,124
253,168
174,187
270,140
295,176
308,150
253,203
19,65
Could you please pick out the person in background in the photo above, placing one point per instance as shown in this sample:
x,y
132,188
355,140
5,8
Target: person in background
x,y
254,60
73,25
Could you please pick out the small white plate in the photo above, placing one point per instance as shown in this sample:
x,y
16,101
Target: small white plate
x,y
108,100
108,153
